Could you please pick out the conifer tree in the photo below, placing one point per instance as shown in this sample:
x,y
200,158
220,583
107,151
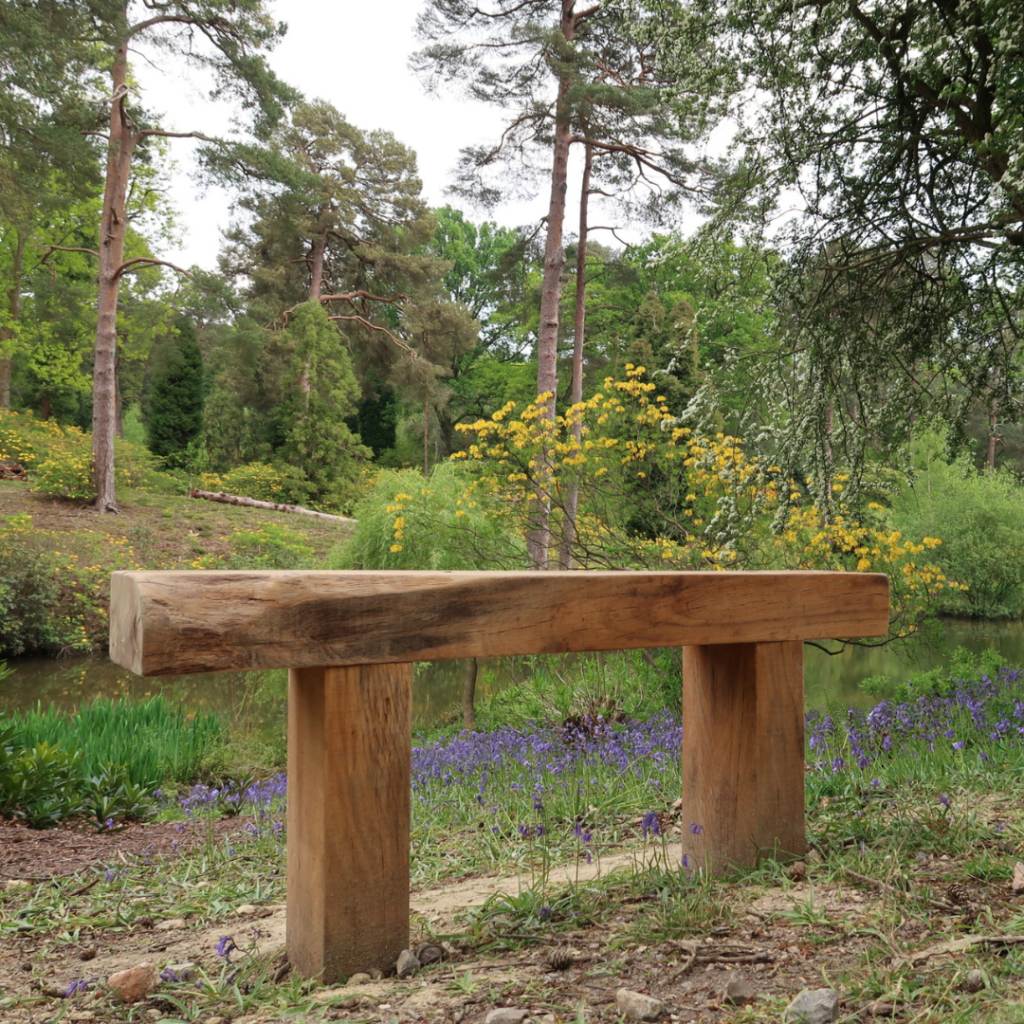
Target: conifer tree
x,y
176,395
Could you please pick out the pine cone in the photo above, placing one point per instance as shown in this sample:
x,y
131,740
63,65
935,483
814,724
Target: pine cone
x,y
561,959
959,894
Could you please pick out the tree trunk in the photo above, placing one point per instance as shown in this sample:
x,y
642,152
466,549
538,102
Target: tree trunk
x,y
576,393
426,437
113,227
14,308
538,538
44,406
993,421
469,696
118,401
316,275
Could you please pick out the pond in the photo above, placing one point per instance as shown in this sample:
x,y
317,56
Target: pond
x,y
438,686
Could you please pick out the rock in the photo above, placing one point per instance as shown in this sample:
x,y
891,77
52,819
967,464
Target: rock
x,y
506,1015
177,972
171,924
798,871
739,992
407,964
820,1006
358,978
16,883
637,1006
429,953
246,910
1017,884
975,981
136,983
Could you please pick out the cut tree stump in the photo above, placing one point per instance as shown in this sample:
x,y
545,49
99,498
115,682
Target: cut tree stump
x,y
350,638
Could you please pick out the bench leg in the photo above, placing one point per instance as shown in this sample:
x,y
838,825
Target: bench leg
x,y
349,748
743,753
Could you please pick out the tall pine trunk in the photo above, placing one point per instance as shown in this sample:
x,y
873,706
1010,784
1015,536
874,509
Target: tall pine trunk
x,y
538,539
579,329
14,308
113,229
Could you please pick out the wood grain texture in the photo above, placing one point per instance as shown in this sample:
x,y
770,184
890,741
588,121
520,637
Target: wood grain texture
x,y
180,621
349,755
743,753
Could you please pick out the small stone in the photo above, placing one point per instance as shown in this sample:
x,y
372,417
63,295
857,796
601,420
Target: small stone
x,y
246,910
154,1014
180,972
171,924
145,921
429,953
506,1015
814,856
407,964
54,991
798,871
1017,885
637,1006
134,984
739,992
820,1006
975,981
214,1020
359,978
16,883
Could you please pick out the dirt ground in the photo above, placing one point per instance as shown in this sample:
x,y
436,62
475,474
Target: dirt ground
x,y
768,945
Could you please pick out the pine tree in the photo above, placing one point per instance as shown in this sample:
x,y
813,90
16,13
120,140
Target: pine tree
x,y
175,404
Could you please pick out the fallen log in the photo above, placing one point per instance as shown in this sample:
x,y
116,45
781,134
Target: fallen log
x,y
238,499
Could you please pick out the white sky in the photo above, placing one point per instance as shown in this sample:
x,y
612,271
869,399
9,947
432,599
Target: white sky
x,y
354,55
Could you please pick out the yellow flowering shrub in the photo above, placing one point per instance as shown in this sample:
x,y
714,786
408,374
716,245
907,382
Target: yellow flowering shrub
x,y
653,494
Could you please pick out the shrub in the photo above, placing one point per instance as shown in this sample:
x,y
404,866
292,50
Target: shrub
x,y
980,517
270,546
286,485
406,521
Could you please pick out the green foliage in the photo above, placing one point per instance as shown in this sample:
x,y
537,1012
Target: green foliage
x,y
175,401
155,741
270,546
407,522
980,518
105,760
280,483
36,608
322,392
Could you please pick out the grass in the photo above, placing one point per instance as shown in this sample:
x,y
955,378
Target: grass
x,y
898,809
155,741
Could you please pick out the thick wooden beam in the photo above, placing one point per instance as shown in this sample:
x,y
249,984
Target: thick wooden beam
x,y
349,751
743,754
171,622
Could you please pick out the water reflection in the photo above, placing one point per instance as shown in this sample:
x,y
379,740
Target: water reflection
x,y
258,698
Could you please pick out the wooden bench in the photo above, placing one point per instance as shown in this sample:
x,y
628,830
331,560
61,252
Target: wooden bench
x,y
350,640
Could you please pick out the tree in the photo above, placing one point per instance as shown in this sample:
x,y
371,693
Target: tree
x,y
176,395
570,74
338,218
901,288
321,395
224,38
47,80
